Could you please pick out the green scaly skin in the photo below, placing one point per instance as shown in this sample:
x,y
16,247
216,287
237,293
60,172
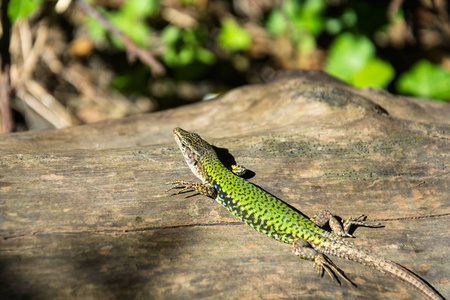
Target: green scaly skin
x,y
276,219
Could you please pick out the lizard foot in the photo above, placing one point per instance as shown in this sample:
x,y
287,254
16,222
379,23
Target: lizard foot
x,y
184,185
359,221
341,228
238,170
321,262
201,188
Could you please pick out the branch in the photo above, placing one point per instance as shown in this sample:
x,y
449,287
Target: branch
x,y
132,49
5,84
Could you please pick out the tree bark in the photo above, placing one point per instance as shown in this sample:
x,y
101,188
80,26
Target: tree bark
x,y
84,211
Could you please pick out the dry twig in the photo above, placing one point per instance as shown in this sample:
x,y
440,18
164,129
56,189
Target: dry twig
x,y
132,49
7,122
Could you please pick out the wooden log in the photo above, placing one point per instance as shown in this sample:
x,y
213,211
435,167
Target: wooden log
x,y
84,212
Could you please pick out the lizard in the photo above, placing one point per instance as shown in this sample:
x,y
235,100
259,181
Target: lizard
x,y
276,219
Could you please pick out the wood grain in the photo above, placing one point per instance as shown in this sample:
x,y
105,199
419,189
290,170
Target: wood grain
x,y
84,213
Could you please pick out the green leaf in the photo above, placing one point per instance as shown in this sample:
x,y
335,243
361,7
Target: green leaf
x,y
376,73
333,26
205,56
183,47
170,35
95,29
186,55
19,9
136,30
346,20
189,37
233,37
175,58
306,16
139,8
348,55
170,57
291,9
349,17
313,24
276,23
314,7
426,80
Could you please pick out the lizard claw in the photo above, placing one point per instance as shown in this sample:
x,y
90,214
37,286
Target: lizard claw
x,y
359,221
186,186
179,184
321,262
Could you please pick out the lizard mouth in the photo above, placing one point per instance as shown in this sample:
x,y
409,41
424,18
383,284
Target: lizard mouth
x,y
190,156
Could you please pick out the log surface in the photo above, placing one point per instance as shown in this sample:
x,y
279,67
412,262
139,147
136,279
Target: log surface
x,y
84,213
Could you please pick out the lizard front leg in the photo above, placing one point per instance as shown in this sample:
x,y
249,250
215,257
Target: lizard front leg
x,y
201,188
303,249
338,228
238,170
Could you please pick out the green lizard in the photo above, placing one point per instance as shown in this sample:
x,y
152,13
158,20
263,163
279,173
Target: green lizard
x,y
276,219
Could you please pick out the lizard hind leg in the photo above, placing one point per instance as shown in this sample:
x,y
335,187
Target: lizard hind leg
x,y
341,228
304,250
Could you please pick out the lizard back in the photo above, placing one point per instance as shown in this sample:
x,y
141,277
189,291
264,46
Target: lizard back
x,y
257,208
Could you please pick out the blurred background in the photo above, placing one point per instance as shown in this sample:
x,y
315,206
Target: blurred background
x,y
67,62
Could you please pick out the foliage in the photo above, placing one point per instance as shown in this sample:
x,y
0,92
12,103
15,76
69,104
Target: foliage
x,y
352,59
426,80
217,39
19,9
184,46
130,19
233,37
301,20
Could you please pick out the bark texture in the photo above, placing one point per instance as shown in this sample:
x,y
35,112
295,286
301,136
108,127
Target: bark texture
x,y
84,212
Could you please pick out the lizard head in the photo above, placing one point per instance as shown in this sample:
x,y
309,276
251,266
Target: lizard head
x,y
193,148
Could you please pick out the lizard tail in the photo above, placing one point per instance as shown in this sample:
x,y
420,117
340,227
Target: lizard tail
x,y
410,278
351,252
